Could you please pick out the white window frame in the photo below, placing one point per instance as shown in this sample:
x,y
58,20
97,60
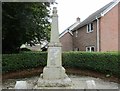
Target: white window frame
x,y
90,48
76,33
89,28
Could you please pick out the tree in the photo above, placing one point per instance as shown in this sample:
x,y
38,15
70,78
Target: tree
x,y
24,22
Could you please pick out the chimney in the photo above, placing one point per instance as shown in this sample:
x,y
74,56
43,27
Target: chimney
x,y
78,19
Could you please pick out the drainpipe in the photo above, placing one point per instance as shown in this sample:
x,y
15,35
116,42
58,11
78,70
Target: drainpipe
x,y
98,44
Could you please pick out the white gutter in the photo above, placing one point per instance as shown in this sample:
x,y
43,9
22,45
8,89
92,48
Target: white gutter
x,y
98,35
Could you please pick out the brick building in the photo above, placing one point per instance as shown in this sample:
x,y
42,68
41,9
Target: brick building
x,y
98,32
66,37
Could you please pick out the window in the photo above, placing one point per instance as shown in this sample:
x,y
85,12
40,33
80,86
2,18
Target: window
x,y
76,49
89,27
76,33
90,49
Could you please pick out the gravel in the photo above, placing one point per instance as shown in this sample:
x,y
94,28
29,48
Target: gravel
x,y
79,82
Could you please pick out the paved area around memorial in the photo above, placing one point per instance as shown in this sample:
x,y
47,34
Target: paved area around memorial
x,y
79,82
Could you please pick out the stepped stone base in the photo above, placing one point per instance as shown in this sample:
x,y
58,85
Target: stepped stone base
x,y
54,83
54,77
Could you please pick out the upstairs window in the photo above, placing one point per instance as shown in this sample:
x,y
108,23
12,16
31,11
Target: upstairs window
x,y
76,33
89,27
90,49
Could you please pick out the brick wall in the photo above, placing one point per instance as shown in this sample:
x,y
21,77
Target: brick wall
x,y
67,42
109,31
119,26
109,27
85,39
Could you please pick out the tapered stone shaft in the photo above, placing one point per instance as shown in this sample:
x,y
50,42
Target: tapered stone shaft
x,y
54,27
54,74
54,49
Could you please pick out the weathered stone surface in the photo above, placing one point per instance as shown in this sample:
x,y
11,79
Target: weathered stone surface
x,y
54,82
54,57
54,77
78,82
90,84
54,74
54,27
58,72
21,85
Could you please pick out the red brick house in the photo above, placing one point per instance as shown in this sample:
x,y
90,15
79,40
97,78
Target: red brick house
x,y
98,32
66,37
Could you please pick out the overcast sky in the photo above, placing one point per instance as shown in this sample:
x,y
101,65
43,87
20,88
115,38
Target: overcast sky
x,y
69,10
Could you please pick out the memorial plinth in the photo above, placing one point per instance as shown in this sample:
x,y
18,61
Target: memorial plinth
x,y
54,74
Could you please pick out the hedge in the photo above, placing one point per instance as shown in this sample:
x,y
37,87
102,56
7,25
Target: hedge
x,y
27,60
102,62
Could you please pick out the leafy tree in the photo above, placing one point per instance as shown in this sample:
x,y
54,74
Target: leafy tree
x,y
24,22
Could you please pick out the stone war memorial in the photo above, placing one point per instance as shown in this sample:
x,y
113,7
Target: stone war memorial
x,y
54,74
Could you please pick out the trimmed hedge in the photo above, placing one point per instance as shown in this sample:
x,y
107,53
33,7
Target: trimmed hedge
x,y
27,60
102,62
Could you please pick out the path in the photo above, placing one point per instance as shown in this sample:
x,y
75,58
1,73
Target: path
x,y
79,82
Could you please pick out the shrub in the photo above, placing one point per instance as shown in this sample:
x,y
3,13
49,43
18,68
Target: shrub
x,y
25,49
101,62
27,60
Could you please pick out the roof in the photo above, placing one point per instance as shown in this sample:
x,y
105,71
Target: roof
x,y
97,14
69,29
